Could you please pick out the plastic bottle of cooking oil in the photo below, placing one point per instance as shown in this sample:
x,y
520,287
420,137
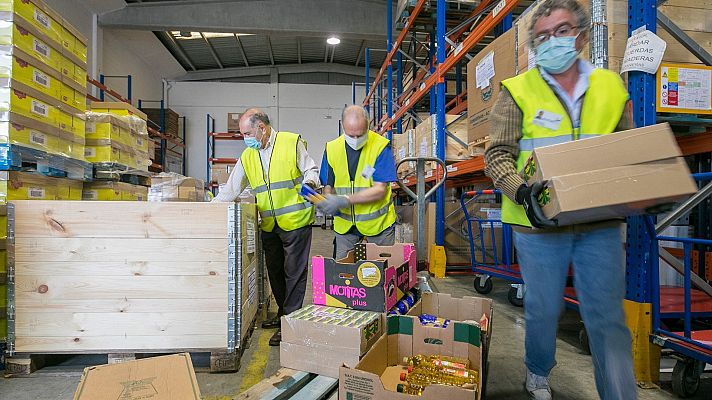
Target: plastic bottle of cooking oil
x,y
410,389
436,361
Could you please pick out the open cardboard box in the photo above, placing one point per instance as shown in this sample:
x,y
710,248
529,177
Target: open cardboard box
x,y
321,339
370,277
610,176
376,376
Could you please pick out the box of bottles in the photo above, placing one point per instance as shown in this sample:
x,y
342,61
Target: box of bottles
x,y
321,339
422,358
371,277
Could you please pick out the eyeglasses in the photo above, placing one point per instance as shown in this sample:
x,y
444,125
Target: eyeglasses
x,y
562,31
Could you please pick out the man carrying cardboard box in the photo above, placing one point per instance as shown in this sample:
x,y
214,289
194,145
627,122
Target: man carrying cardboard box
x,y
286,217
357,170
546,106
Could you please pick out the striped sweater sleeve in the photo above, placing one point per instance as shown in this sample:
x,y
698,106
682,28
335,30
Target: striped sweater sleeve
x,y
501,156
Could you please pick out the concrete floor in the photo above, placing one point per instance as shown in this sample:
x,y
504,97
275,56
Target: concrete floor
x,y
572,379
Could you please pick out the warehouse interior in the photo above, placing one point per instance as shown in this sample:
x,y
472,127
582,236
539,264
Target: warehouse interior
x,y
141,199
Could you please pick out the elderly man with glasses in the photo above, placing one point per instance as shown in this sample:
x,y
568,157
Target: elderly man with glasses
x,y
563,99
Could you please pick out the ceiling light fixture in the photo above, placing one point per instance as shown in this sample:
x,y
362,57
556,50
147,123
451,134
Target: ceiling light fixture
x,y
333,40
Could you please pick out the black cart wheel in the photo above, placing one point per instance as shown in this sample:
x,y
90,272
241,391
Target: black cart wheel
x,y
583,341
483,287
513,299
686,378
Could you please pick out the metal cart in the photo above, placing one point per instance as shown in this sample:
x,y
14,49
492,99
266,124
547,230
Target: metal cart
x,y
491,263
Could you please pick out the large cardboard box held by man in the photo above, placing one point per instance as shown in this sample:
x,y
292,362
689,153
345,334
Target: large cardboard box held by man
x,y
321,339
375,377
610,176
490,66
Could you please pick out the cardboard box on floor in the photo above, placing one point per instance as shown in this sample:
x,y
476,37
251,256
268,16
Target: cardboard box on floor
x,y
371,277
321,339
610,176
376,376
157,378
496,62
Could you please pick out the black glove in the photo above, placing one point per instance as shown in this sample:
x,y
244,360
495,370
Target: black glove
x,y
527,197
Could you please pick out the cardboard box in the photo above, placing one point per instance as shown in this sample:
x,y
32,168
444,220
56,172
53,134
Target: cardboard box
x,y
220,173
370,278
616,192
375,377
610,176
634,146
233,122
168,186
156,378
321,339
455,149
490,66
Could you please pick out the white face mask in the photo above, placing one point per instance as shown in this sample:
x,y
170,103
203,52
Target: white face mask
x,y
356,143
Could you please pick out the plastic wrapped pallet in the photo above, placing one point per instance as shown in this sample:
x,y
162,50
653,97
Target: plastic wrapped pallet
x,y
169,186
115,139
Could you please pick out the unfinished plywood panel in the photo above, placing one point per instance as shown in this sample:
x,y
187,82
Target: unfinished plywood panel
x,y
126,276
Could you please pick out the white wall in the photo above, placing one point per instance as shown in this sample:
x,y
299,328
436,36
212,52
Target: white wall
x,y
310,110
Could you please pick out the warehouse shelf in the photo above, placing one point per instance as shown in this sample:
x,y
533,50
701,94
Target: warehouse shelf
x,y
213,137
457,33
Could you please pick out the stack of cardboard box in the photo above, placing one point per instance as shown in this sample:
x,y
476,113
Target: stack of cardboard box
x,y
117,134
169,186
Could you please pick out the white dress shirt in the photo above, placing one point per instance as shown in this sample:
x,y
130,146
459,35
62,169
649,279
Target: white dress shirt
x,y
237,182
572,103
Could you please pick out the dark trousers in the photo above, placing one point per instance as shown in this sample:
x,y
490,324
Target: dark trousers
x,y
287,258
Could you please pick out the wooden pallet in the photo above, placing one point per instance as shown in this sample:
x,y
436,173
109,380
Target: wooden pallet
x,y
291,384
24,365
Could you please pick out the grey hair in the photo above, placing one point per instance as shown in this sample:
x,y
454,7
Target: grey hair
x,y
358,110
256,116
583,21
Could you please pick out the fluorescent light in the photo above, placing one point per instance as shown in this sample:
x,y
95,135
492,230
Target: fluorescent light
x,y
333,40
196,35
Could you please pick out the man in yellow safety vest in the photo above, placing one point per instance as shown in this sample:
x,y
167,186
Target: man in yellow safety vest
x,y
275,165
564,98
357,170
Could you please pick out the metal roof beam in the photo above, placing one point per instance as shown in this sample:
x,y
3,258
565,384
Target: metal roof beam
x,y
360,52
212,51
168,36
242,50
227,73
275,17
269,49
299,50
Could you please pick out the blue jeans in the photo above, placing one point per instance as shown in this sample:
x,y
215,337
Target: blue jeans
x,y
599,277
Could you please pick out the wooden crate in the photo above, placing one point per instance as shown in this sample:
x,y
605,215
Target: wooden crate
x,y
129,277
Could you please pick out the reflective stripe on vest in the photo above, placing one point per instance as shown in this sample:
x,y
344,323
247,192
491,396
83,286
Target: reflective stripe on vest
x,y
532,143
278,198
602,108
372,218
288,184
284,210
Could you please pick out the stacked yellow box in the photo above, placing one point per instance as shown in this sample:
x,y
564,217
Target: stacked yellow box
x,y
16,185
42,104
117,133
114,191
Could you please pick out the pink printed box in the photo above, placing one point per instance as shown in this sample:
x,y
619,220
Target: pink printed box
x,y
370,277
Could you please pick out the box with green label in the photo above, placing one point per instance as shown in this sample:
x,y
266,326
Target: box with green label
x,y
610,176
377,375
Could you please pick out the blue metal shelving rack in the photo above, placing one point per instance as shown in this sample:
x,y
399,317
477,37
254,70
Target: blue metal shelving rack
x,y
447,54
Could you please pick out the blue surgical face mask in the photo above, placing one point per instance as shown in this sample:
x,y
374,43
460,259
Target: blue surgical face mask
x,y
252,143
557,54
